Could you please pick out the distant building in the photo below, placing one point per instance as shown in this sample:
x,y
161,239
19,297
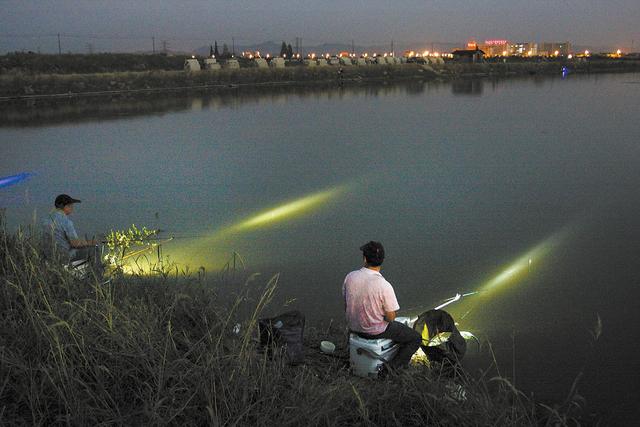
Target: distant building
x,y
494,47
468,55
550,49
524,49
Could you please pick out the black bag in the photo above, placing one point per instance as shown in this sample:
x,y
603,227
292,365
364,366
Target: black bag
x,y
285,330
438,321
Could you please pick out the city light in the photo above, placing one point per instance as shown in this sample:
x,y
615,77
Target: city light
x,y
570,56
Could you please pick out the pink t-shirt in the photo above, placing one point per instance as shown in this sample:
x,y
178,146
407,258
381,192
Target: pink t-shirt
x,y
367,297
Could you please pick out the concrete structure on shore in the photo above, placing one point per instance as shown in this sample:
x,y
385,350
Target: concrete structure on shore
x,y
277,62
211,64
191,64
231,64
345,60
260,63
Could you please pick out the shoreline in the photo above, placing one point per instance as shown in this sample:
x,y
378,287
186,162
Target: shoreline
x,y
24,86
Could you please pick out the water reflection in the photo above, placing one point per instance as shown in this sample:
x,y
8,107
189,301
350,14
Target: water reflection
x,y
46,112
467,87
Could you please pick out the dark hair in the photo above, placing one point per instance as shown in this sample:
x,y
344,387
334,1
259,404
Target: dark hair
x,y
373,253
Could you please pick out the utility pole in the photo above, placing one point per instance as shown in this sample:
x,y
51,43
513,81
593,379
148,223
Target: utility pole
x,y
353,47
301,48
153,41
233,46
392,48
90,48
165,45
297,45
59,48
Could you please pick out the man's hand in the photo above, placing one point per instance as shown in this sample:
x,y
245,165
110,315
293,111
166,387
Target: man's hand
x,y
389,316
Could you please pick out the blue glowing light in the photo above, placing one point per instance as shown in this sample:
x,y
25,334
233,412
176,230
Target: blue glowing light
x,y
14,179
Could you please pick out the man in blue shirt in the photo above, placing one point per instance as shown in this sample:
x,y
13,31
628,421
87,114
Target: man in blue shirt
x,y
60,232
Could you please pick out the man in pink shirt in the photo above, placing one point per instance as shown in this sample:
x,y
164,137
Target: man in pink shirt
x,y
371,306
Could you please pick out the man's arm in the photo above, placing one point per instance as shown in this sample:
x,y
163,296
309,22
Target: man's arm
x,y
74,241
80,243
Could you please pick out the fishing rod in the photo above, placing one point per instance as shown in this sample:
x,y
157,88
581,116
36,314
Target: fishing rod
x,y
455,298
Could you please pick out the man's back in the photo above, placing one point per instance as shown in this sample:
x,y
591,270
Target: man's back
x,y
59,230
367,297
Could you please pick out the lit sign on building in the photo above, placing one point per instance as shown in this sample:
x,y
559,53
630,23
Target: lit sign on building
x,y
496,42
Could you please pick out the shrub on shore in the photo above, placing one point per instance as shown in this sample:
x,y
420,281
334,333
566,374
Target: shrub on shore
x,y
162,350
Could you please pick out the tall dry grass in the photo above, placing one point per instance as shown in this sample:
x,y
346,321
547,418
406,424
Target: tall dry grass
x,y
139,350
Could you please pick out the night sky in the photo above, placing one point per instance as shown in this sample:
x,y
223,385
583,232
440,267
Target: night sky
x,y
116,25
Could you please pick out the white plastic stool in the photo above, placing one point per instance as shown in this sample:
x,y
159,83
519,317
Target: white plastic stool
x,y
366,356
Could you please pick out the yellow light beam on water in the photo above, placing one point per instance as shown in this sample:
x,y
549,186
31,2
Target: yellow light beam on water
x,y
285,211
288,210
519,268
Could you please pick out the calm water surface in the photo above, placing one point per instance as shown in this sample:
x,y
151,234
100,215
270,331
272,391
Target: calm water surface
x,y
457,180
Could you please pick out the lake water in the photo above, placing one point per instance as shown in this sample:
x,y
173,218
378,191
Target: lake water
x,y
524,189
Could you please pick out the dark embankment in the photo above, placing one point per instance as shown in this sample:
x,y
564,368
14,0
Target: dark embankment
x,y
137,350
33,75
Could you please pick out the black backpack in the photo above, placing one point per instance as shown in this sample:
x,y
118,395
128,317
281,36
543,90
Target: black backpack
x,y
285,330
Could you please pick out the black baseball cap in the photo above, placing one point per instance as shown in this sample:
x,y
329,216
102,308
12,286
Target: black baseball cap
x,y
64,199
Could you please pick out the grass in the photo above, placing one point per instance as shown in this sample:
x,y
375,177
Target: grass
x,y
142,350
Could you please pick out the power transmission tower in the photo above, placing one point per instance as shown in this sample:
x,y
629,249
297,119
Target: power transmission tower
x,y
153,41
59,47
165,46
90,48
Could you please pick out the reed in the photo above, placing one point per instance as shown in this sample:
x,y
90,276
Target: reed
x,y
142,350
